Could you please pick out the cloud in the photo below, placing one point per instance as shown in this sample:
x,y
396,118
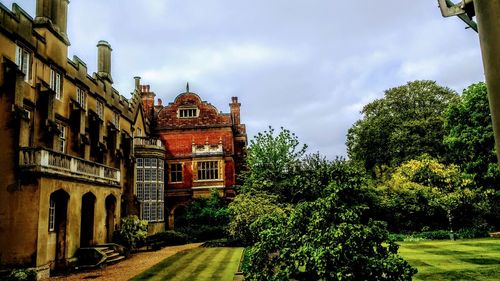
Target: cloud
x,y
309,66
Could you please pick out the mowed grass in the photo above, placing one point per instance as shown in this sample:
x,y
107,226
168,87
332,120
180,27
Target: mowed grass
x,y
198,264
471,259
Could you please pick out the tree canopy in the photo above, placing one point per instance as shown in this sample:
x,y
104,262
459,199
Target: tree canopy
x,y
404,124
469,137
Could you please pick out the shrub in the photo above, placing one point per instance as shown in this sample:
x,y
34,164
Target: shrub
x,y
434,235
171,237
22,274
197,233
473,232
224,242
131,231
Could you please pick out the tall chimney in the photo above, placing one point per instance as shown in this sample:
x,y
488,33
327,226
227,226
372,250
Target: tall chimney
x,y
235,110
137,82
54,13
104,59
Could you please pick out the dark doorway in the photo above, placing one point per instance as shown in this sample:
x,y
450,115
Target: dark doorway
x,y
110,217
180,219
87,220
58,224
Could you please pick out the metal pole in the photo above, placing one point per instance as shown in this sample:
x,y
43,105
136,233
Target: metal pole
x,y
488,21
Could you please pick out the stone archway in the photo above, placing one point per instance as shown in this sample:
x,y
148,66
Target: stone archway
x,y
58,223
87,220
110,217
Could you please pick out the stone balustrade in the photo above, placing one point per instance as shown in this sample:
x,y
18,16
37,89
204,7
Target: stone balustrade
x,y
51,162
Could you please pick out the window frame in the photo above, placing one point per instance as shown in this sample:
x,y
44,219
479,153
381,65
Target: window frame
x,y
81,97
172,171
99,109
61,141
55,83
188,112
24,61
208,170
52,215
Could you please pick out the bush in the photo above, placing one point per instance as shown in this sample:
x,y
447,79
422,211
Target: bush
x,y
22,274
197,233
224,242
474,232
171,237
434,235
131,231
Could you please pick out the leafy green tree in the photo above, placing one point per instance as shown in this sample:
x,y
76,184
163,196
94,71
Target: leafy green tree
x,y
424,193
205,218
272,163
404,124
469,136
246,208
327,239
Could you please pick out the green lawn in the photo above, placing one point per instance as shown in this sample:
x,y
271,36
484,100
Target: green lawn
x,y
474,259
198,264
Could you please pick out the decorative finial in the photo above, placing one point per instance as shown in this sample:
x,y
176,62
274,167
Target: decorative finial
x,y
187,87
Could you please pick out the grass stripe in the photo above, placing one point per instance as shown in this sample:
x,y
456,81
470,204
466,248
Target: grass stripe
x,y
197,264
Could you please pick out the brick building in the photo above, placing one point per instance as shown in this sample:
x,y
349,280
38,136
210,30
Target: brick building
x,y
204,147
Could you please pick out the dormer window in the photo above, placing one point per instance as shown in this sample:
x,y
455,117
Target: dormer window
x,y
187,112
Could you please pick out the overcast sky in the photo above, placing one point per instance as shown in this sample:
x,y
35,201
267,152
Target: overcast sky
x,y
306,65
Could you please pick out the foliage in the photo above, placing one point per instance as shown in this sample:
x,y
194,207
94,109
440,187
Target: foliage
x,y
245,209
131,231
325,240
469,136
404,124
22,274
205,218
424,193
223,242
170,237
272,161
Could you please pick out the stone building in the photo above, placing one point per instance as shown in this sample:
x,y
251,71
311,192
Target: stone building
x,y
204,147
69,141
77,156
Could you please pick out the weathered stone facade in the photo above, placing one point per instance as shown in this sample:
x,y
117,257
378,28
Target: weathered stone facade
x,y
77,156
67,162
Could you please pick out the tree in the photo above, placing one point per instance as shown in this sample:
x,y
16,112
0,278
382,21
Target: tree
x,y
272,162
205,218
424,193
404,124
469,136
247,208
327,239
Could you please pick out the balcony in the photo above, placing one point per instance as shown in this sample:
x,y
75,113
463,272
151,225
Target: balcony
x,y
148,147
44,161
144,141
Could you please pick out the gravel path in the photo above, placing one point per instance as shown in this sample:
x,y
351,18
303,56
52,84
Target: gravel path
x,y
128,268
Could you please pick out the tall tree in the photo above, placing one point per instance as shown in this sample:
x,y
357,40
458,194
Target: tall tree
x,y
272,163
469,136
406,123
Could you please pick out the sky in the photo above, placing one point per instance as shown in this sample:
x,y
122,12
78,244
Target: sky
x,y
305,65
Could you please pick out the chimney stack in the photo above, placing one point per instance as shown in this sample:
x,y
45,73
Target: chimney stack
x,y
235,110
104,59
137,82
54,13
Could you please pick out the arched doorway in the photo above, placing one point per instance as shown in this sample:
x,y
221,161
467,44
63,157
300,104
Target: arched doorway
x,y
87,220
110,217
179,217
58,217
